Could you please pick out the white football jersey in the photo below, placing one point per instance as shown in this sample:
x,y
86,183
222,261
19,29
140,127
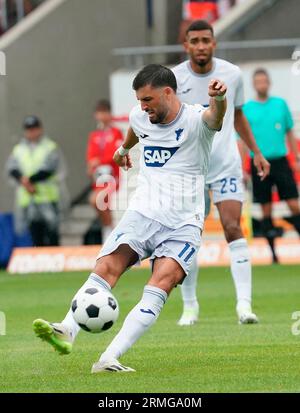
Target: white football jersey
x,y
225,160
173,163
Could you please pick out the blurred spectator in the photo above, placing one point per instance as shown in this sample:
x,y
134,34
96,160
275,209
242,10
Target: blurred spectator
x,y
200,10
12,11
196,10
209,10
271,122
34,165
102,144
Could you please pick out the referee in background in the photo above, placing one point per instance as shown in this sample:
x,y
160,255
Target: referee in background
x,y
271,123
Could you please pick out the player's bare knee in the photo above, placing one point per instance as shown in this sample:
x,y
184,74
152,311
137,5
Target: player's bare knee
x,y
105,268
232,231
166,282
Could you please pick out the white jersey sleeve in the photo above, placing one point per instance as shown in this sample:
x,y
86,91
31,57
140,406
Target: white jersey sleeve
x,y
239,98
132,120
202,130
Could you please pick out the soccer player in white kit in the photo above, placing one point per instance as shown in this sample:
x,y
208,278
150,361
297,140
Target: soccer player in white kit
x,y
165,218
225,178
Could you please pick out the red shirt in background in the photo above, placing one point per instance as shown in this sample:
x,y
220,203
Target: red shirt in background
x,y
102,145
201,10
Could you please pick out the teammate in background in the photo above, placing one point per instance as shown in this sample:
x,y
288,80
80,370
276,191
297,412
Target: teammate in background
x,y
165,218
224,177
271,122
102,144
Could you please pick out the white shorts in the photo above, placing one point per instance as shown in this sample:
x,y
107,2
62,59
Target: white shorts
x,y
227,189
149,238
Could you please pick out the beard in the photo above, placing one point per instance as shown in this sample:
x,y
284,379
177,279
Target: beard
x,y
203,62
159,117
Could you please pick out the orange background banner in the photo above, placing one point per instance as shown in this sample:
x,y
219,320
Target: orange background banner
x,y
212,253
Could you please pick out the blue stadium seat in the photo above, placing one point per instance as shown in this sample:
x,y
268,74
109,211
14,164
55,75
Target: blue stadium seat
x,y
9,240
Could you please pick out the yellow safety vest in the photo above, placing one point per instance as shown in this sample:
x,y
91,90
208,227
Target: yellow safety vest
x,y
30,159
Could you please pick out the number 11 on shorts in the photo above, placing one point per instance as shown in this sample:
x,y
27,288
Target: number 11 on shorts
x,y
188,251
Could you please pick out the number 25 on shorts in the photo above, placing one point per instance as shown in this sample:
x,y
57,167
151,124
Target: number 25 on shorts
x,y
228,185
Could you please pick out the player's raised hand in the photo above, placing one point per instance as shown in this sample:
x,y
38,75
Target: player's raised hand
x,y
123,161
216,88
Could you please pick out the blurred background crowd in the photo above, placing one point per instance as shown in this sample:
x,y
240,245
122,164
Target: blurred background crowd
x,y
66,98
13,11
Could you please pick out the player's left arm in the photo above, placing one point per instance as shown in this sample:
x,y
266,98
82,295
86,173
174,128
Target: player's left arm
x,y
242,127
213,116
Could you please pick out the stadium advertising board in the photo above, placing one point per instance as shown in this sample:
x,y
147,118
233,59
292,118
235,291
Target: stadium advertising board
x,y
212,253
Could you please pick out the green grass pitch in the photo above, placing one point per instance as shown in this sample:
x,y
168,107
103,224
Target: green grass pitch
x,y
216,355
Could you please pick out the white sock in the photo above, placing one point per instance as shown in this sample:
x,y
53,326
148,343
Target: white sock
x,y
106,230
137,322
94,280
189,288
241,270
71,324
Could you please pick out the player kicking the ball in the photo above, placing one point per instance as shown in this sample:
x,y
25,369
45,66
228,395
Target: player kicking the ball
x,y
165,218
224,177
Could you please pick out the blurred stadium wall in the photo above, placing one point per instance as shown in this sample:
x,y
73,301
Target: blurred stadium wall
x,y
59,61
58,64
260,19
256,33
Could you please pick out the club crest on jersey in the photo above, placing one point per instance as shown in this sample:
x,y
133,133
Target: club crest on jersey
x,y
178,133
158,156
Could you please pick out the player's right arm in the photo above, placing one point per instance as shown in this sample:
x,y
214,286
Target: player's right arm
x,y
121,156
213,116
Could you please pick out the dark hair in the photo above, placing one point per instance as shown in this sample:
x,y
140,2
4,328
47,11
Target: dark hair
x,y
261,71
155,76
200,25
103,105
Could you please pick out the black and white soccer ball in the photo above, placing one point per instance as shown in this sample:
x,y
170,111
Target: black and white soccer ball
x,y
95,310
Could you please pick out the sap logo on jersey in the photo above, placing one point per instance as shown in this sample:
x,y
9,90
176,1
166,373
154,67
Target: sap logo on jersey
x,y
157,156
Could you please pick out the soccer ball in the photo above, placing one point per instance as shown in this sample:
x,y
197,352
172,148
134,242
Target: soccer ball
x,y
95,310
